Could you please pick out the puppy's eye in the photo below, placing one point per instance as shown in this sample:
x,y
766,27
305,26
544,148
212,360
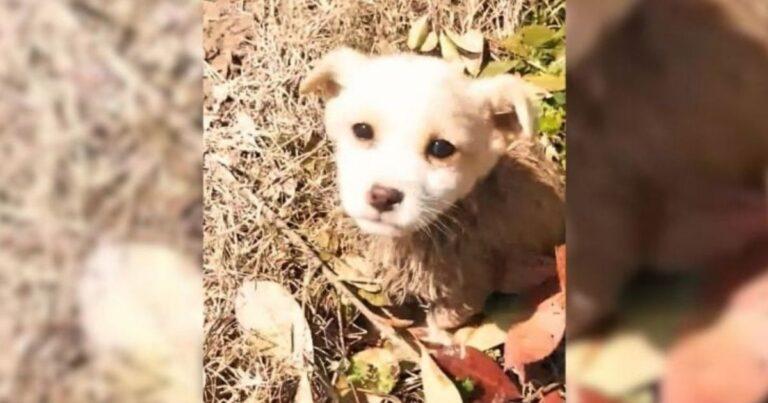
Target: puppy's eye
x,y
363,131
440,149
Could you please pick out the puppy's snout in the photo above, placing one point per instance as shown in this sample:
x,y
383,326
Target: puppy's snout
x,y
383,198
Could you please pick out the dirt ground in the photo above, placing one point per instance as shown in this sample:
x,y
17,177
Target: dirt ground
x,y
265,152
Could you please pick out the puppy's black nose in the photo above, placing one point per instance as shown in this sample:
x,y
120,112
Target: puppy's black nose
x,y
384,198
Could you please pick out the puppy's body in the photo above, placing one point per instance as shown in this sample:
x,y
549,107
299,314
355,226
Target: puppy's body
x,y
500,237
442,171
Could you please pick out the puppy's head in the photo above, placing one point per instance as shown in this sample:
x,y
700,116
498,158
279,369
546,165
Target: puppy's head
x,y
413,135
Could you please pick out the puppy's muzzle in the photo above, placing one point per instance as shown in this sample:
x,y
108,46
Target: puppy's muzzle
x,y
384,198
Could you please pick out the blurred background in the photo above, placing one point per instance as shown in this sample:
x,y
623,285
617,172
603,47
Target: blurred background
x,y
100,200
668,201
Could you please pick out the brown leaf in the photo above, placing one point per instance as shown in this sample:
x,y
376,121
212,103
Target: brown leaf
x,y
493,385
538,336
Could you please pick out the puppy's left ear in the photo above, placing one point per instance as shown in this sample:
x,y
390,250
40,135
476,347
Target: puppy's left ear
x,y
328,76
511,101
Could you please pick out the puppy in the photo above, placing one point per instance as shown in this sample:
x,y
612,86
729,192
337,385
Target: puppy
x,y
442,172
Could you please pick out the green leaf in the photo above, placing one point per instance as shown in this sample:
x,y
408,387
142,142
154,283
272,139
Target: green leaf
x,y
514,44
418,33
537,35
375,370
497,67
551,121
559,98
548,82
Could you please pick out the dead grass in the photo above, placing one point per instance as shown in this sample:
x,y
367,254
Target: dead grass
x,y
256,123
99,138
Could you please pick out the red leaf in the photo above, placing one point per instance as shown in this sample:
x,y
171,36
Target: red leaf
x,y
560,259
462,362
586,395
538,336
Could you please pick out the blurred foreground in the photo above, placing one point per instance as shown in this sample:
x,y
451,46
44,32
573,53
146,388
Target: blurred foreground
x,y
667,198
100,201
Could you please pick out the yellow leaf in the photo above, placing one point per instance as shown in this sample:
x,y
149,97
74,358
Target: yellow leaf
x,y
548,82
430,43
492,331
472,63
385,365
418,33
497,67
609,373
471,42
438,388
448,49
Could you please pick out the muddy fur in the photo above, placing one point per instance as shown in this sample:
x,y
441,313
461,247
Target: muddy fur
x,y
501,237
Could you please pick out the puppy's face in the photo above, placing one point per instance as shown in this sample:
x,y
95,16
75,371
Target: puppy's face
x,y
412,134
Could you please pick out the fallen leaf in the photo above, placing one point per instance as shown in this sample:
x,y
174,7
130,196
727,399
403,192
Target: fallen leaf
x,y
472,63
304,390
374,370
497,67
418,33
430,43
448,49
514,44
536,35
500,313
269,310
438,388
549,82
608,372
471,41
538,336
491,383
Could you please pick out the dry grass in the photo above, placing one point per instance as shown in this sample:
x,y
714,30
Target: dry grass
x,y
99,138
256,123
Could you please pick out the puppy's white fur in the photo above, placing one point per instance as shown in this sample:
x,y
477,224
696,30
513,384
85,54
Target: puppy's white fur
x,y
410,101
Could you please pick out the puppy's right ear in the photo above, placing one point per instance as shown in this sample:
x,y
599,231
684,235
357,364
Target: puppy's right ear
x,y
329,74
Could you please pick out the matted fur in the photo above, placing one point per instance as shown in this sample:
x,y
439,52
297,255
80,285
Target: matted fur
x,y
498,238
